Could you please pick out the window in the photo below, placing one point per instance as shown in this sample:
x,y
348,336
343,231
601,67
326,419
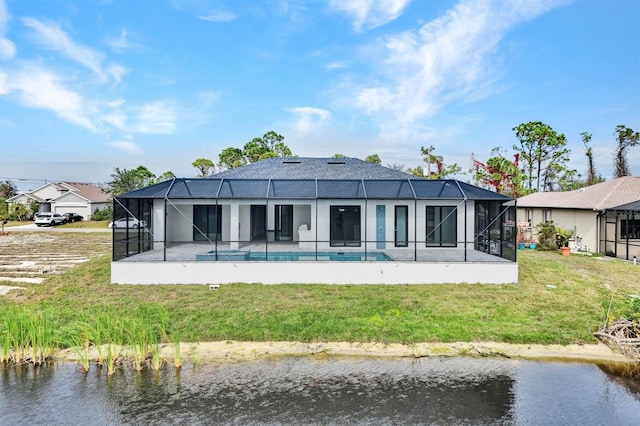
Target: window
x,y
630,228
344,226
442,226
207,223
546,215
529,216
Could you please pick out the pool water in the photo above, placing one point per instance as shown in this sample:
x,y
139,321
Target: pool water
x,y
293,256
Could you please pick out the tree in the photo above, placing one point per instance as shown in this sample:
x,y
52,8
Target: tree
x,y
373,158
7,189
499,173
18,211
592,177
441,171
204,166
397,166
338,156
34,207
626,138
123,181
168,175
231,158
270,145
543,154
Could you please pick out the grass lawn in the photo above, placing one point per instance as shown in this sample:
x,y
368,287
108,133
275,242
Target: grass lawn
x,y
83,224
559,300
88,224
16,223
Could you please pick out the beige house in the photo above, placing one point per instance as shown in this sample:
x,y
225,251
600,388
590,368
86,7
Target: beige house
x,y
66,197
604,218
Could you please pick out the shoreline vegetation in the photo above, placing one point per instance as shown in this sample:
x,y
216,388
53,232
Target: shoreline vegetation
x,y
78,315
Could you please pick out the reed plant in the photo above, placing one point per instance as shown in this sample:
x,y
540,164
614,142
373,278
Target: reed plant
x,y
138,342
41,336
79,337
111,332
177,357
26,335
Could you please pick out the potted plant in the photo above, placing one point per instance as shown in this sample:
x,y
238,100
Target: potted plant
x,y
532,244
521,240
562,238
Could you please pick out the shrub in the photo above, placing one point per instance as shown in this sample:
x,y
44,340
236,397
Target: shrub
x,y
546,236
103,214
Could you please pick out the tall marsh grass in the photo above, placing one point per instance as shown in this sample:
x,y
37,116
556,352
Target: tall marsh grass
x,y
26,335
110,340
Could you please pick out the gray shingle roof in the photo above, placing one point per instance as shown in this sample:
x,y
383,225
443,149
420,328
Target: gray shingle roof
x,y
601,196
312,168
311,178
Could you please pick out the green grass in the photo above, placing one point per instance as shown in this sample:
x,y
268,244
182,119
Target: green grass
x,y
16,223
83,224
88,224
529,312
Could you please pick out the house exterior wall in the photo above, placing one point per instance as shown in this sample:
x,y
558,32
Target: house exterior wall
x,y
180,216
181,230
583,223
22,199
47,192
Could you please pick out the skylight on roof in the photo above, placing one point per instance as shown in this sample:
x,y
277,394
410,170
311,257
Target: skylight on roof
x,y
291,162
336,162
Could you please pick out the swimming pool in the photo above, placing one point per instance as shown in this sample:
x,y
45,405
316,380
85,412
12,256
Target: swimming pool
x,y
293,256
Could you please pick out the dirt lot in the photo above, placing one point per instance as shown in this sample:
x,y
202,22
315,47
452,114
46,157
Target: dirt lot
x,y
29,257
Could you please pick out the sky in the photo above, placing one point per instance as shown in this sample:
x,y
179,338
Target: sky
x,y
90,85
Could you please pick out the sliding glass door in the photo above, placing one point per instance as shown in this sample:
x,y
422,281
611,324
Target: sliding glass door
x,y
207,223
284,222
344,226
442,226
258,222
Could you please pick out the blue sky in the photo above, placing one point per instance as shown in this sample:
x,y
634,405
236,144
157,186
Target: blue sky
x,y
90,85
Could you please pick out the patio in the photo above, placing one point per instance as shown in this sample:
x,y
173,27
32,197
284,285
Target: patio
x,y
187,252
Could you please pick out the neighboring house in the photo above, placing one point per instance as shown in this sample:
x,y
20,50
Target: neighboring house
x,y
314,220
604,218
66,197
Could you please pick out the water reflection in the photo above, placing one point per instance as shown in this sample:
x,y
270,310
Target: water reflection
x,y
325,391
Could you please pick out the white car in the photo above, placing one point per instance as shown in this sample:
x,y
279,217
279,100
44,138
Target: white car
x,y
49,219
128,222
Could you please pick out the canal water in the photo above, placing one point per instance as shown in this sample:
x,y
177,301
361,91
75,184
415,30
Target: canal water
x,y
329,391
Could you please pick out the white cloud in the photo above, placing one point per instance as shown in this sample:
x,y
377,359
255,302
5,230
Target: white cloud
x,y
121,42
117,72
448,59
41,89
307,119
208,98
7,48
370,13
335,65
218,16
51,36
155,118
4,88
125,145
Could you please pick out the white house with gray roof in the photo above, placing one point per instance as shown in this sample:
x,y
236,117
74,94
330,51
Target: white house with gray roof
x,y
314,220
65,197
604,218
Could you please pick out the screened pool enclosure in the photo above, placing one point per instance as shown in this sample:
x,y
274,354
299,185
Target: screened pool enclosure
x,y
234,220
